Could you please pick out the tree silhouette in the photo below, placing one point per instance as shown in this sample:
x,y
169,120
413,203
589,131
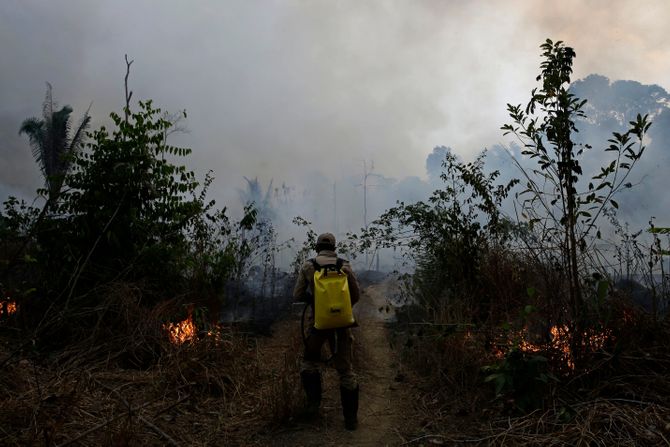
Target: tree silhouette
x,y
52,141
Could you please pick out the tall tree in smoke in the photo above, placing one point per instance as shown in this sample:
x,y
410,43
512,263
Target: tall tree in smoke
x,y
52,141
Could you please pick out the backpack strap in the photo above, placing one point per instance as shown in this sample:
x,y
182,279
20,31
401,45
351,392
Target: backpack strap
x,y
338,265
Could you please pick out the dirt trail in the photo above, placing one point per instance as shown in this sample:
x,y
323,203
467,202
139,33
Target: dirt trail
x,y
385,403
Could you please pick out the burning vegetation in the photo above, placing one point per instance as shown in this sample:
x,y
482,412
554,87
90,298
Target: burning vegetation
x,y
182,331
559,345
8,308
187,331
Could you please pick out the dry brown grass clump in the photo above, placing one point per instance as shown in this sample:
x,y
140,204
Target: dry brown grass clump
x,y
620,397
124,383
602,422
611,387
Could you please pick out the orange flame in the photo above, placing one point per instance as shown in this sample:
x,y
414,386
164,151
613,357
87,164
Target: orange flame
x,y
8,307
182,331
215,332
560,342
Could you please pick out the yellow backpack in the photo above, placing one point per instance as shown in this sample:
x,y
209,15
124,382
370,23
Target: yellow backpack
x,y
332,301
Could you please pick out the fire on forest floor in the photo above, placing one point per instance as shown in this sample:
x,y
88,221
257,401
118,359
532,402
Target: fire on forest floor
x,y
8,308
182,331
559,342
220,389
618,394
227,388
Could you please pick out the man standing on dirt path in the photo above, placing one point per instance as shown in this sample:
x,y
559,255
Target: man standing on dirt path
x,y
343,358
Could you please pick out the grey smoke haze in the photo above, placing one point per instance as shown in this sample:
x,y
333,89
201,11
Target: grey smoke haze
x,y
611,105
296,91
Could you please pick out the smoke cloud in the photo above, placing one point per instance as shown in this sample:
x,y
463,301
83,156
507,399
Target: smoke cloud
x,y
302,93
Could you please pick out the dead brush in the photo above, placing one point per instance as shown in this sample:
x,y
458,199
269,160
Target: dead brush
x,y
118,380
114,325
282,391
215,366
511,281
198,393
16,409
449,358
599,422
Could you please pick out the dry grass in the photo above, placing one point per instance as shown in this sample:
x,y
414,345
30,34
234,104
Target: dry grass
x,y
618,394
619,399
603,422
123,384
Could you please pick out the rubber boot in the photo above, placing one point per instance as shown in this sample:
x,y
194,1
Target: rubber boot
x,y
311,382
349,407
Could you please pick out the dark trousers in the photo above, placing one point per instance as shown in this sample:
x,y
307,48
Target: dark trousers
x,y
342,360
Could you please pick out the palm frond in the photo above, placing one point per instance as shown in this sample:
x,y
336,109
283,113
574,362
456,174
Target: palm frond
x,y
35,129
50,140
60,128
78,138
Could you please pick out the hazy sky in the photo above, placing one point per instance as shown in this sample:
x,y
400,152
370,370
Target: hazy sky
x,y
281,89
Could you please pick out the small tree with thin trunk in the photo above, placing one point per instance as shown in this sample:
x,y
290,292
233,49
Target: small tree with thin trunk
x,y
556,201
